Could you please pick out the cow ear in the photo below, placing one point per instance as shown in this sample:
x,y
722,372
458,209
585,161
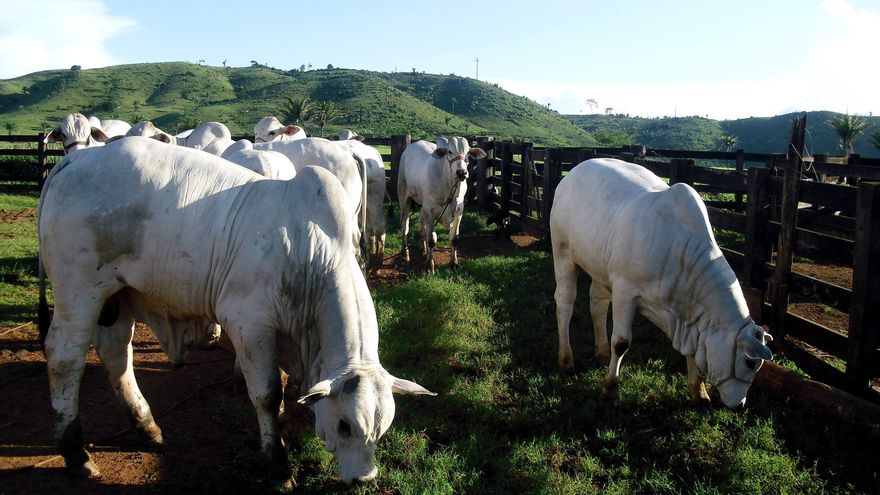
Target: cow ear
x,y
53,136
477,153
162,136
291,129
754,348
406,387
316,393
114,139
358,138
440,152
99,135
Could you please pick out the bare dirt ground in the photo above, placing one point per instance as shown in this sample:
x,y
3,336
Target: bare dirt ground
x,y
209,425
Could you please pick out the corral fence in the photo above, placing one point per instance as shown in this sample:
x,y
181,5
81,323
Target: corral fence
x,y
767,200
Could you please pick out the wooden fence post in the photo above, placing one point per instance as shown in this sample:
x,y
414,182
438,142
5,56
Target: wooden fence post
x,y
864,318
778,291
42,161
552,169
525,181
757,250
740,164
483,172
398,144
679,171
506,177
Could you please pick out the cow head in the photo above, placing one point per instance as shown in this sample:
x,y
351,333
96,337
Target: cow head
x,y
147,129
458,154
346,134
75,132
352,411
733,359
270,129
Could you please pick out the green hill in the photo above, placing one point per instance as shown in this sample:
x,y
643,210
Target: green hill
x,y
177,95
755,134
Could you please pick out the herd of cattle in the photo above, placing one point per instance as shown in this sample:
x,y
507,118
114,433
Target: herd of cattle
x,y
192,231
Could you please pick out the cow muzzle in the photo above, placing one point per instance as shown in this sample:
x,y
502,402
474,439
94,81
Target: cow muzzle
x,y
461,174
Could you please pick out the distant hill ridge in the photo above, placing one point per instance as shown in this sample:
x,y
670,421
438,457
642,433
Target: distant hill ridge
x,y
177,95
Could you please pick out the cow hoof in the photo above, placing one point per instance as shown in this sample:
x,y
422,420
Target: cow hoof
x,y
603,359
151,436
566,363
86,470
609,390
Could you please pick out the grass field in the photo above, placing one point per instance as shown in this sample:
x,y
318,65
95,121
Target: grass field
x,y
507,421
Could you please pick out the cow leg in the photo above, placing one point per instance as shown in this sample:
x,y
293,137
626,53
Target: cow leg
x,y
623,311
113,345
565,295
67,342
600,298
429,239
696,386
404,226
257,355
453,234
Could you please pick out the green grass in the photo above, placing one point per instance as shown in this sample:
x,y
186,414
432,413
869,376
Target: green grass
x,y
507,421
18,261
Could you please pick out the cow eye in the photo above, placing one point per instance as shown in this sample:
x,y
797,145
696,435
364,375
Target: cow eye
x,y
344,429
751,363
272,133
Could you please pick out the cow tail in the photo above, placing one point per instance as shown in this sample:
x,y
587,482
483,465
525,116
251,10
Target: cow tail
x,y
362,168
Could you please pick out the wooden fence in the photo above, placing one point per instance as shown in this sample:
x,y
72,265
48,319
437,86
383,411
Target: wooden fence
x,y
822,222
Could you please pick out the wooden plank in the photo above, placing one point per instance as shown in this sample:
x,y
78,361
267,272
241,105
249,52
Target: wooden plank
x,y
728,181
818,246
778,290
865,315
660,169
863,171
398,144
757,249
817,335
820,291
722,205
727,220
18,138
830,195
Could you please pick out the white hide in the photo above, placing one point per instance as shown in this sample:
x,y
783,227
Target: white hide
x,y
178,238
270,129
76,132
270,164
375,221
436,178
649,248
338,160
205,133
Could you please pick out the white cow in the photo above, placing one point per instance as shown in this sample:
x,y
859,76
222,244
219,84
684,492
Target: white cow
x,y
206,132
270,129
434,175
649,247
345,165
375,217
110,127
267,163
76,132
178,237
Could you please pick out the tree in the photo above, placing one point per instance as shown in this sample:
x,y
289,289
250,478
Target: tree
x,y
729,141
302,68
848,128
10,127
299,112
329,66
224,63
592,103
608,110
326,112
254,63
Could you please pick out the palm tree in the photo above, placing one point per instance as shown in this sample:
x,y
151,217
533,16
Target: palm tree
x,y
849,128
299,112
729,141
326,112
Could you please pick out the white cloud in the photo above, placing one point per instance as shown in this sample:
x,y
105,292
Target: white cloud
x,y
56,34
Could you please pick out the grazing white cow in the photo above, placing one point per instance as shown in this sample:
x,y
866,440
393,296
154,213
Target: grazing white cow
x,y
375,217
347,134
267,163
177,237
434,175
270,129
110,127
206,132
649,247
76,132
345,165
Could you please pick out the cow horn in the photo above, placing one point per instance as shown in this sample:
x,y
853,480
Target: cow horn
x,y
406,387
316,393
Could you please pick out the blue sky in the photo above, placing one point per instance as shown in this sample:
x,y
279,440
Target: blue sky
x,y
719,59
